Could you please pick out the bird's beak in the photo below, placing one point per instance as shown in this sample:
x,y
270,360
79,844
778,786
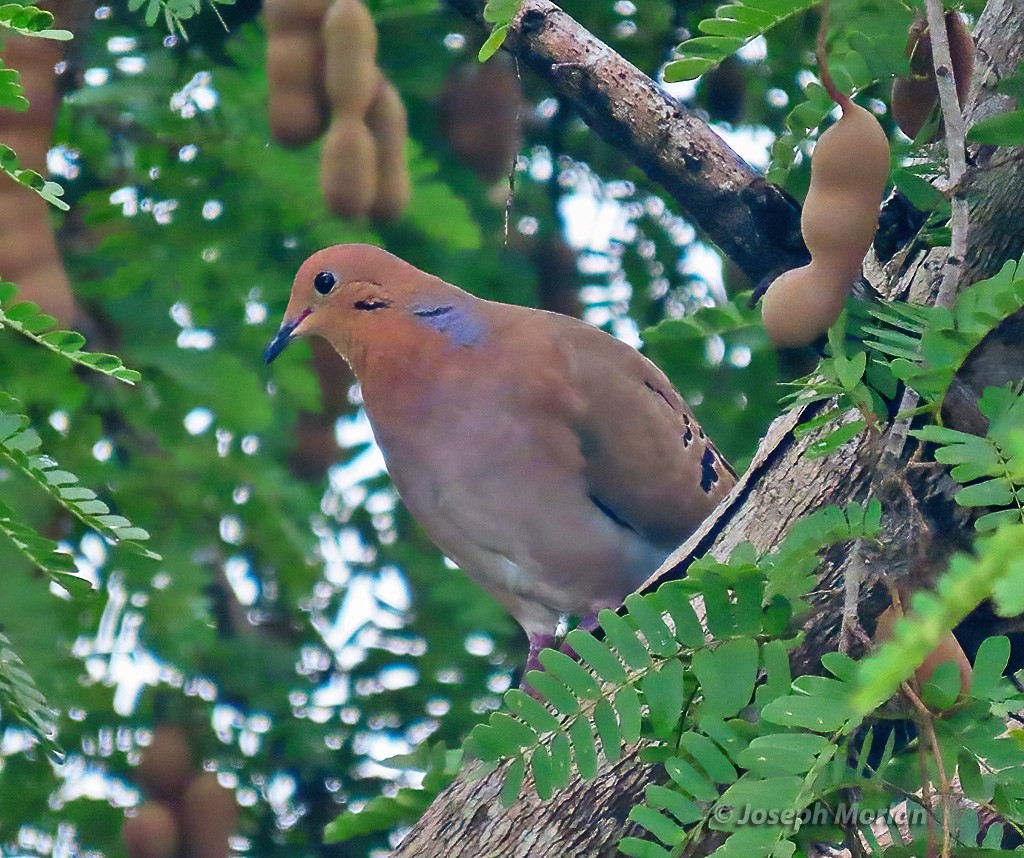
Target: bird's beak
x,y
283,337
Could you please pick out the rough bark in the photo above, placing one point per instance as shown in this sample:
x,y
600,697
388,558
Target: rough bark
x,y
923,526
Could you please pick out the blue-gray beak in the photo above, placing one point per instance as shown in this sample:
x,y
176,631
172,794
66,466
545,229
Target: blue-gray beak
x,y
281,339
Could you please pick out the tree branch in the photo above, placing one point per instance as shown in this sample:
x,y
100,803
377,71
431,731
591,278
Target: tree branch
x,y
754,223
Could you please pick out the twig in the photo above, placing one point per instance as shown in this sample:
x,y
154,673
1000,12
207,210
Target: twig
x,y
821,55
926,724
953,121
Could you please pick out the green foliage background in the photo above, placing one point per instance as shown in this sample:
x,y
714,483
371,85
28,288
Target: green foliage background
x,y
186,226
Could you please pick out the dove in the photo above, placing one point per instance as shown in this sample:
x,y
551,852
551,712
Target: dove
x,y
553,463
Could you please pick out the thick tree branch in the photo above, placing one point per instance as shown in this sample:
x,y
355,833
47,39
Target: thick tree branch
x,y
751,221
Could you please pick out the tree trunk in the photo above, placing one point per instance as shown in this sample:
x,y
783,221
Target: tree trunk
x,y
922,524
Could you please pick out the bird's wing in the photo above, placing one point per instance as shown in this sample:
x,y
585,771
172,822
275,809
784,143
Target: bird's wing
x,y
649,465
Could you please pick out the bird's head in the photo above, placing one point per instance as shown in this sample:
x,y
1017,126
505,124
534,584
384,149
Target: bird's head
x,y
353,292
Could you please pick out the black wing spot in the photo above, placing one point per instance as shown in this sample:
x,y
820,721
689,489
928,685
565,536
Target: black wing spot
x,y
660,393
708,472
608,511
433,311
687,435
724,462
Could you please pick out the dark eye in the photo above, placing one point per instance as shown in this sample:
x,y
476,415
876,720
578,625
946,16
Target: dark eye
x,y
324,282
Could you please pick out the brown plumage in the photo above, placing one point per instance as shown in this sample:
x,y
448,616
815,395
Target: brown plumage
x,y
555,464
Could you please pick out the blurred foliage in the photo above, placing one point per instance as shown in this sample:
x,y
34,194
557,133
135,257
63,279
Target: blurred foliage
x,y
309,628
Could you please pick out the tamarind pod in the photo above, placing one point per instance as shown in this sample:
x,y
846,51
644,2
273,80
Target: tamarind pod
x,y
30,132
839,225
208,817
166,765
29,256
961,54
803,303
389,124
350,57
914,100
297,107
849,169
915,97
295,16
478,114
151,833
852,154
948,649
348,168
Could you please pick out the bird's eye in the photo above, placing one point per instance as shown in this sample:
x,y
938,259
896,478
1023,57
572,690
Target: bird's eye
x,y
324,282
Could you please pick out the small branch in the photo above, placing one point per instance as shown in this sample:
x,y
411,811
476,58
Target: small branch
x,y
821,55
953,121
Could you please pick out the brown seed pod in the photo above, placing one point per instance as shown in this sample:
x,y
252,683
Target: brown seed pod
x,y
350,55
297,106
348,168
949,649
209,815
29,256
724,89
151,833
389,125
166,764
849,169
478,115
290,16
915,97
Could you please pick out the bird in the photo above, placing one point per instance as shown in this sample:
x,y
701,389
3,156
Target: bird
x,y
553,463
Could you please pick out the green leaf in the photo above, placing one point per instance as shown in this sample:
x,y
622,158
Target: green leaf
x,y
782,753
650,624
20,698
708,756
835,439
637,848
994,492
987,680
540,768
667,831
664,691
1004,129
553,691
681,807
569,671
622,638
16,449
512,785
25,318
607,724
823,715
727,675
561,761
764,793
531,711
596,654
693,782
629,709
30,21
584,749
494,41
675,599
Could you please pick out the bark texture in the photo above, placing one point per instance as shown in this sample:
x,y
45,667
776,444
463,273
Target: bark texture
x,y
923,525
